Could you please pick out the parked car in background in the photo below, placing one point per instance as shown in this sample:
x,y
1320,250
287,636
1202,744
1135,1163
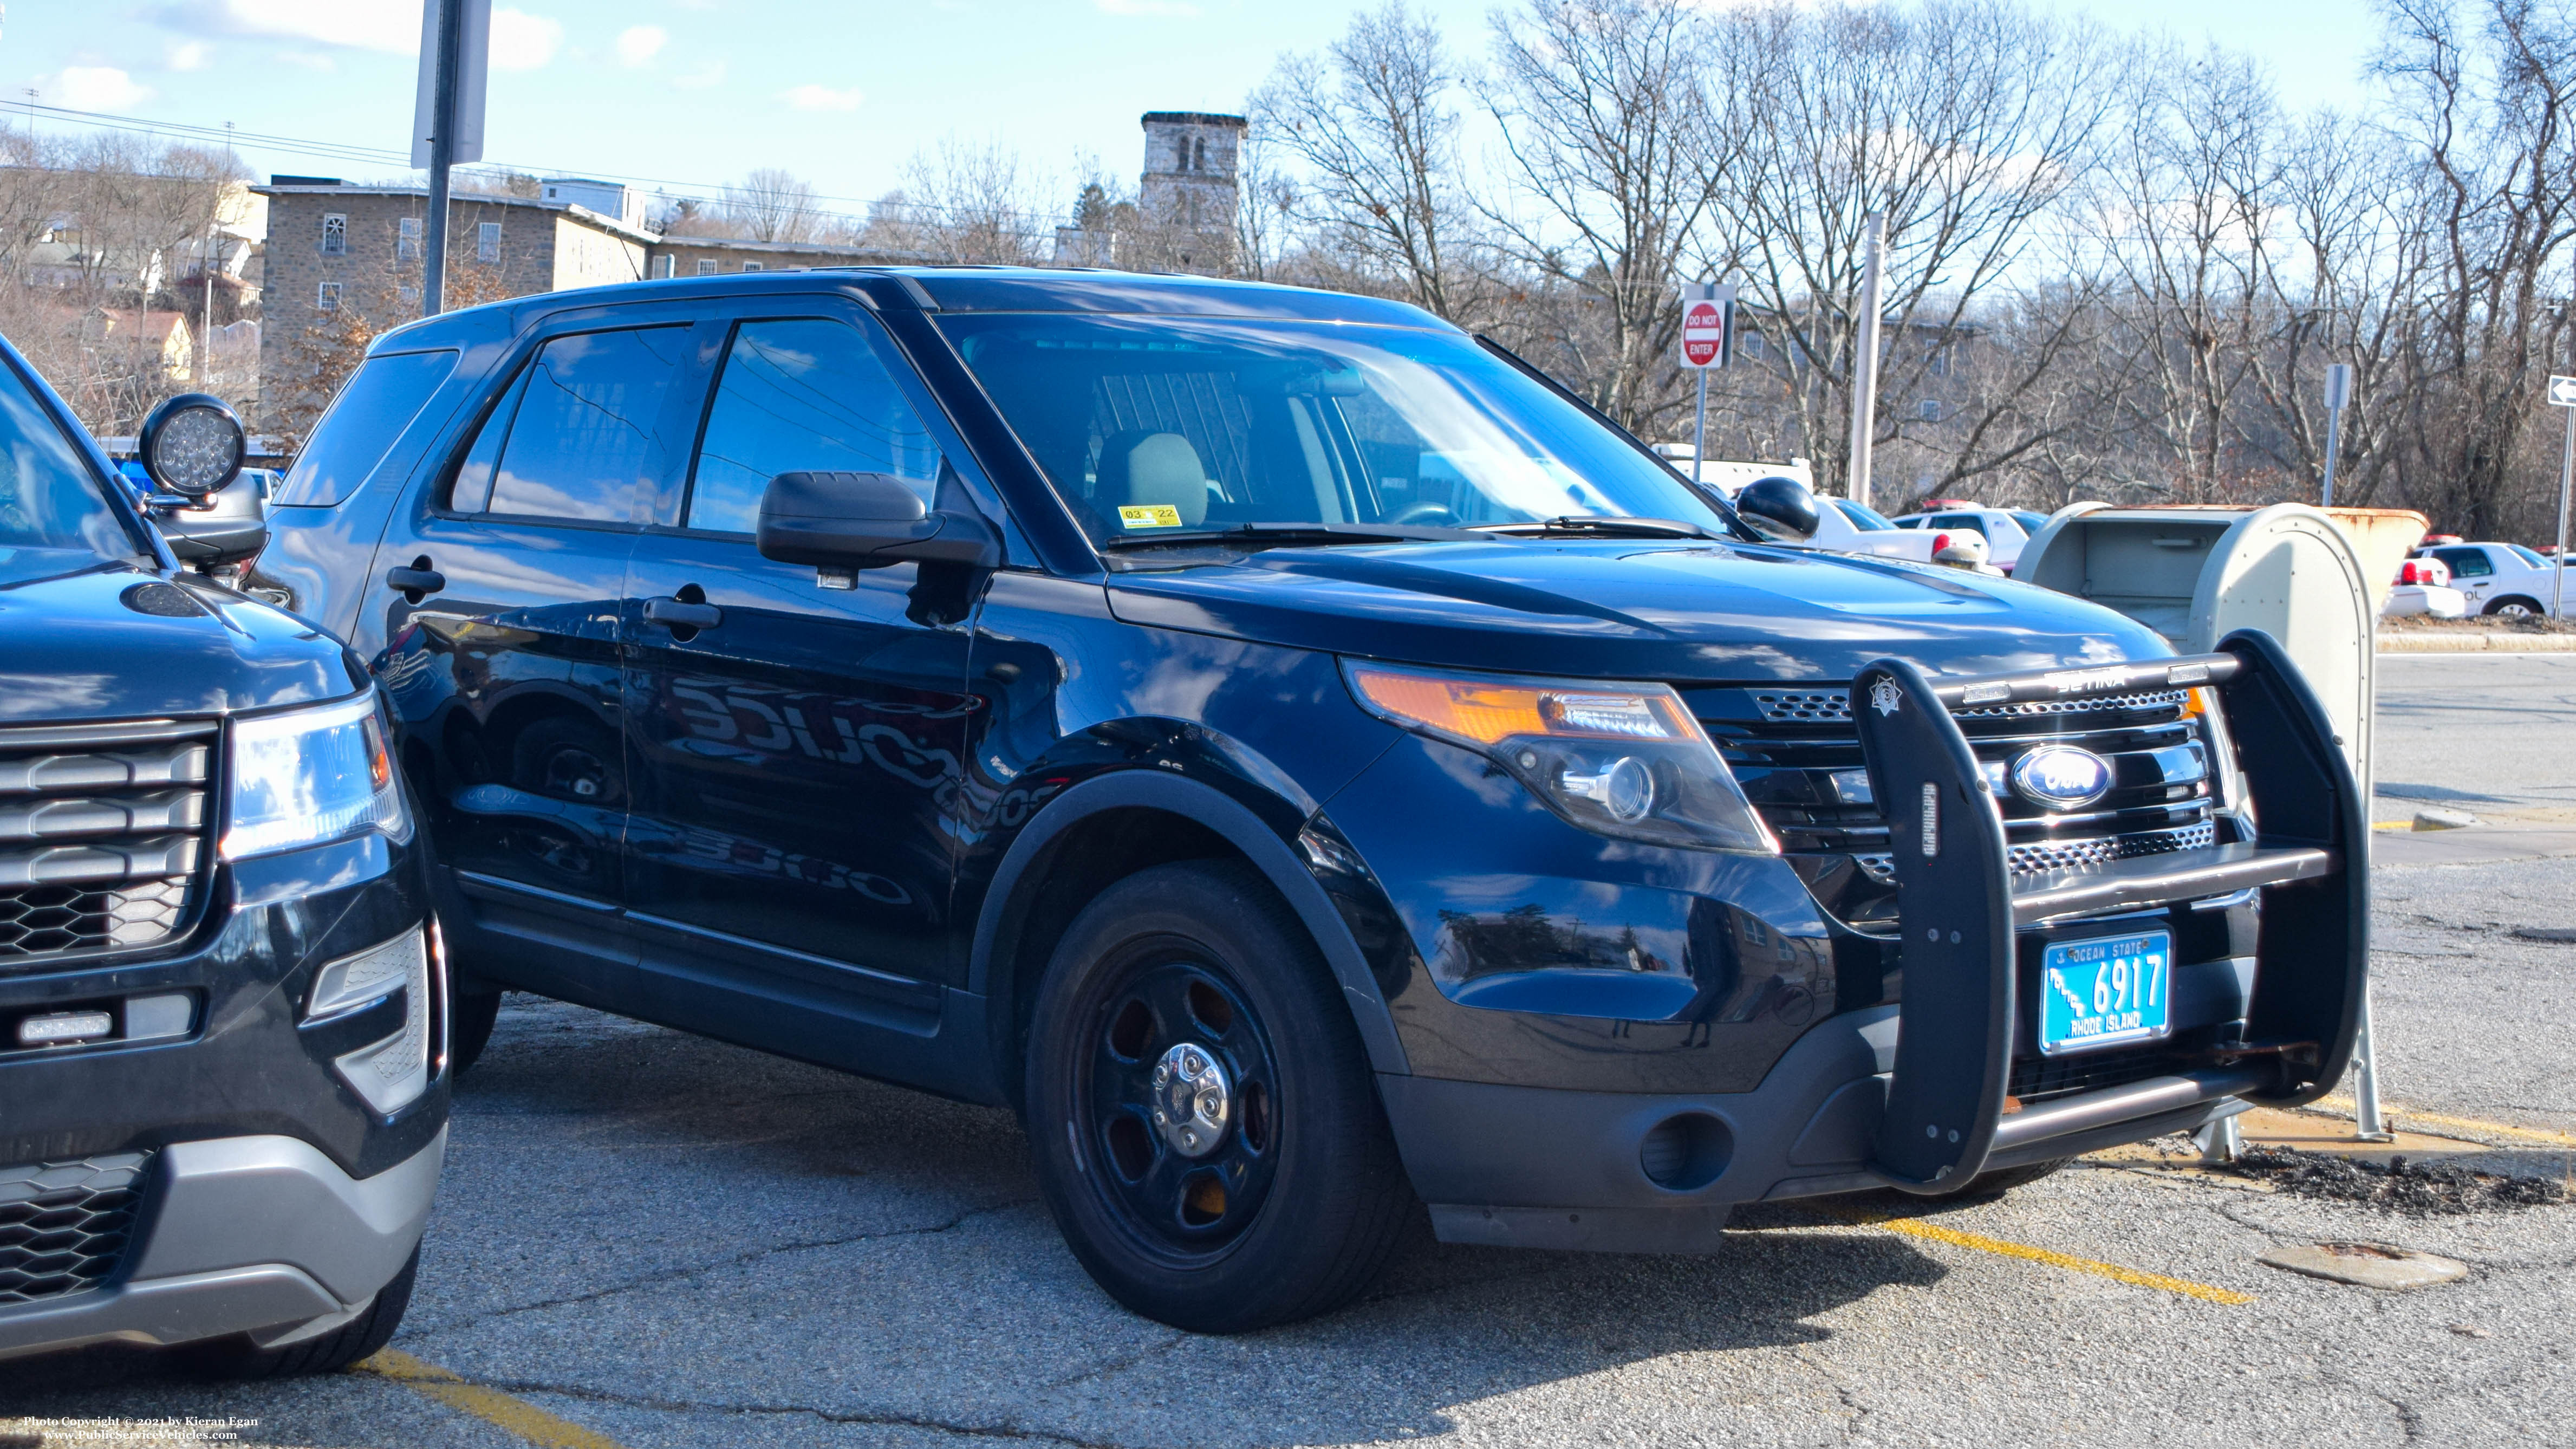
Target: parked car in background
x,y
2004,529
1840,524
2424,588
2503,579
223,1096
1302,759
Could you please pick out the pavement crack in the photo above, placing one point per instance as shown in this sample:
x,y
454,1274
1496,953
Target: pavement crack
x,y
1004,1430
737,1260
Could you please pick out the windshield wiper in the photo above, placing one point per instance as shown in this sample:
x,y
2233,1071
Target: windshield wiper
x,y
1288,535
1602,528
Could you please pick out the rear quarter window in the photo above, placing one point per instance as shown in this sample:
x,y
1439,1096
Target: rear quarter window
x,y
364,420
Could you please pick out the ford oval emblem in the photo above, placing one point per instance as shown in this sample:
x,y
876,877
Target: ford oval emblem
x,y
2061,777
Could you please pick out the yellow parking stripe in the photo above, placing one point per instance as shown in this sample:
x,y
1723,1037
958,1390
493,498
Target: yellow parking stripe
x,y
1917,1228
2347,1107
492,1406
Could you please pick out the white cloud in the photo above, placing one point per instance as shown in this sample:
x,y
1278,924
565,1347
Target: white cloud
x,y
392,26
699,80
638,44
521,41
823,98
1179,9
187,55
91,88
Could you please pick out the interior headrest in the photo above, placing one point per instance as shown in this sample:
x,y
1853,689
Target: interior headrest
x,y
1139,467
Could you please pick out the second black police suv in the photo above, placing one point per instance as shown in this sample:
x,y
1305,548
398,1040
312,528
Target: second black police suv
x,y
1304,760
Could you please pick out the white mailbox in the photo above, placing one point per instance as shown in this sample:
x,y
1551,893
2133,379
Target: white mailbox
x,y
2195,575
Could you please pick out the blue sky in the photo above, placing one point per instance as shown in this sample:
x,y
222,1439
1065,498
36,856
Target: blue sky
x,y
695,92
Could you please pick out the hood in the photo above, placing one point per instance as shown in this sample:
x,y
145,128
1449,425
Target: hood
x,y
1685,611
85,639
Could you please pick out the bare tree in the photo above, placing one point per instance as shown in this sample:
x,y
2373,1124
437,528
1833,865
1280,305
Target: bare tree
x,y
1963,122
1371,120
1606,137
772,205
965,201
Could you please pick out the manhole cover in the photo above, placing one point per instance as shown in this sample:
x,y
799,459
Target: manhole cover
x,y
2367,1265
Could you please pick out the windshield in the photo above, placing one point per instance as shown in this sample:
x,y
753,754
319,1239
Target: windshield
x,y
1174,427
49,497
2030,522
1862,516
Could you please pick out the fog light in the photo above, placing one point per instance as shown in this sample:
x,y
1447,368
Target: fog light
x,y
394,1071
149,1018
64,1026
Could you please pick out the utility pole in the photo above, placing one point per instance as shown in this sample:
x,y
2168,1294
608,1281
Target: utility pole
x,y
447,120
442,154
1864,403
2562,395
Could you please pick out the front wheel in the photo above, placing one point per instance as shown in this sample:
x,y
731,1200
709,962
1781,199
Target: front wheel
x,y
1206,1130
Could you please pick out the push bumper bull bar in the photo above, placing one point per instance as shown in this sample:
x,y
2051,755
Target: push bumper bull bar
x,y
1959,904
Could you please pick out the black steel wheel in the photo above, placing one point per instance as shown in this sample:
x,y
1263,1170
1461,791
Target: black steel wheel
x,y
1182,1105
1207,1131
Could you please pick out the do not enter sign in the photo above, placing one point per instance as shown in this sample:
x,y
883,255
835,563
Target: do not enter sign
x,y
1707,310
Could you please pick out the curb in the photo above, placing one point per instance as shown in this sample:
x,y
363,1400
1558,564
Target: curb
x,y
2465,642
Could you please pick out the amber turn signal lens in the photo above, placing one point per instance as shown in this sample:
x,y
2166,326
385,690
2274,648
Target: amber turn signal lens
x,y
1488,713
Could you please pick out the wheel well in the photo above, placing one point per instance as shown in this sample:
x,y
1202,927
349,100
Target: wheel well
x,y
1067,874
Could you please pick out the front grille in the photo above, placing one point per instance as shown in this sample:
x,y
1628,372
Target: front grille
x,y
102,835
64,1225
2056,855
2036,1079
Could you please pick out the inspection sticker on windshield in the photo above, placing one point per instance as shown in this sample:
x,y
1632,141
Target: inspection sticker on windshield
x,y
2105,991
1149,515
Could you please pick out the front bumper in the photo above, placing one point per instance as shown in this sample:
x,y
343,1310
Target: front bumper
x,y
258,1235
1915,1095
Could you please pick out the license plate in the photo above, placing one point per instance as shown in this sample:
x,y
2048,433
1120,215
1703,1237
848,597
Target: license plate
x,y
2105,991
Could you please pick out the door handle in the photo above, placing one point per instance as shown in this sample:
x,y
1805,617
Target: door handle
x,y
673,614
415,581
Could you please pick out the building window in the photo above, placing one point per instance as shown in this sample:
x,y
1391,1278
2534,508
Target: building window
x,y
1750,344
706,266
665,266
1931,410
751,266
327,298
487,242
1940,362
335,235
407,239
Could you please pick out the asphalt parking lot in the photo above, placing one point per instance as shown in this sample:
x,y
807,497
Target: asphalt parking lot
x,y
646,1239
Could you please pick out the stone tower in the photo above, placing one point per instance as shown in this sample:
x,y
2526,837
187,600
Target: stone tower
x,y
1188,189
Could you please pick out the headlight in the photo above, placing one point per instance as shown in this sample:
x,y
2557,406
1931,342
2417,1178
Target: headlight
x,y
1624,760
310,777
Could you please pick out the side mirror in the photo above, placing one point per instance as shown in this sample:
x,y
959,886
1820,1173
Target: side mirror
x,y
192,445
1780,509
866,521
229,527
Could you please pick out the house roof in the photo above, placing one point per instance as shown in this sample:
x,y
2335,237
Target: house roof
x,y
873,255
607,224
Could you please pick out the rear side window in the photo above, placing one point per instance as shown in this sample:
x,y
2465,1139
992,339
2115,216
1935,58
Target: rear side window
x,y
364,420
1969,521
2467,563
578,433
804,395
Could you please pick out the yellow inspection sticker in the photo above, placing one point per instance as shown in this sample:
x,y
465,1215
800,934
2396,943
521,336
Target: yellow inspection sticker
x,y
1149,515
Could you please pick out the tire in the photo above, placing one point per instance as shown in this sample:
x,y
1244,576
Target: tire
x,y
1294,1201
567,757
239,1358
2515,606
470,1028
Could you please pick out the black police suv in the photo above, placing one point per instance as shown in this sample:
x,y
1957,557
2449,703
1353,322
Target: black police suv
x,y
1303,759
223,1097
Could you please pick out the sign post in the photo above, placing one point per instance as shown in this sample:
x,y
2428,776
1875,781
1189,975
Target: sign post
x,y
1708,343
2338,397
447,120
2562,395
